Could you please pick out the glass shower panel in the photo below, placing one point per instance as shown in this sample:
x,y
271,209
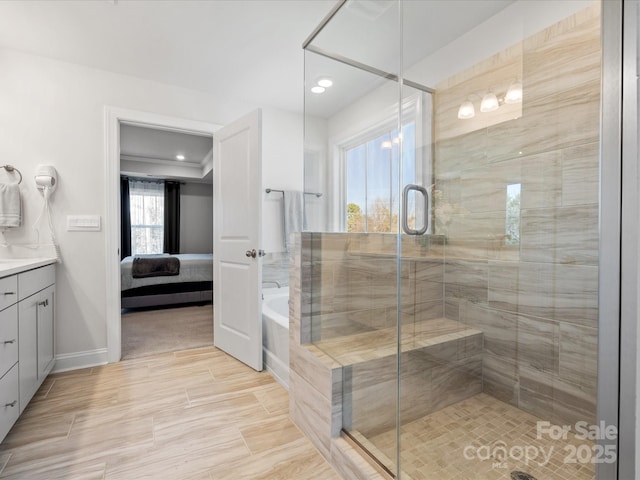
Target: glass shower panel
x,y
353,155
465,345
510,305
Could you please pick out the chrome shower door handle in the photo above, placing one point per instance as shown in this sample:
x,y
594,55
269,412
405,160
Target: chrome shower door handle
x,y
405,210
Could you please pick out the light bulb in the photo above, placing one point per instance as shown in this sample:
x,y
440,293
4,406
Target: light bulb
x,y
489,103
466,110
325,82
514,94
317,89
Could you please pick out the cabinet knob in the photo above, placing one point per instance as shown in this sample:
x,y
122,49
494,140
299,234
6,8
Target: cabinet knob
x,y
10,341
12,404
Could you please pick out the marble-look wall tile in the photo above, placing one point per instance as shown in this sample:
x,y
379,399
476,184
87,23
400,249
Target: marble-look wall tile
x,y
553,291
370,396
541,180
499,329
500,378
455,154
311,412
429,279
563,55
470,277
579,355
573,403
580,175
365,283
452,299
554,399
560,235
551,123
538,343
535,394
427,311
477,230
454,382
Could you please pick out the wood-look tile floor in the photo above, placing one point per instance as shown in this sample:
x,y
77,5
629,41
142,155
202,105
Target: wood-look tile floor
x,y
191,415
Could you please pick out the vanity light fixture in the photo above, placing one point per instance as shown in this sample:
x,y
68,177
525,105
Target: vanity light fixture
x,y
514,93
489,103
466,110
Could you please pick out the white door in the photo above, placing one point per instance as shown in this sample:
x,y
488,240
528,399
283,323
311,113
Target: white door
x,y
237,239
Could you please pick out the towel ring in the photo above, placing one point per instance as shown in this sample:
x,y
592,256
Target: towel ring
x,y
11,169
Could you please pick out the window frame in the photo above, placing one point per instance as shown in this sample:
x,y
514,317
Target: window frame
x,y
413,110
135,226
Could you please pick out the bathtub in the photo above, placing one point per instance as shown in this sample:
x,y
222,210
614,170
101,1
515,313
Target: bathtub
x,y
275,333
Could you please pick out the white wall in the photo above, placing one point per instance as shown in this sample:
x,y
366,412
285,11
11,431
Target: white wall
x,y
282,168
53,113
196,218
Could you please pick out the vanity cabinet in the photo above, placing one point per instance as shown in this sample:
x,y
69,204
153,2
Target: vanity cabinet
x,y
27,342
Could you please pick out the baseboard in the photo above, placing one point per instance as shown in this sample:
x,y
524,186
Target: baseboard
x,y
78,360
276,368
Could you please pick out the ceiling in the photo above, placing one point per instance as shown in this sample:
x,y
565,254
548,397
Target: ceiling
x,y
152,145
245,50
250,50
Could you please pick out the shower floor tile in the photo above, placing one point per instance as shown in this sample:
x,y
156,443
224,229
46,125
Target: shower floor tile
x,y
467,440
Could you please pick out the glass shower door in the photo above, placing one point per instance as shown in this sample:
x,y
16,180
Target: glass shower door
x,y
463,311
353,152
501,381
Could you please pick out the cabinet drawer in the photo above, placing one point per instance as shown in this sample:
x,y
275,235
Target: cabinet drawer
x,y
9,406
8,291
8,338
35,280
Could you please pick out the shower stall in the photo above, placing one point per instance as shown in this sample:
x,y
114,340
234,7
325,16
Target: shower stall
x,y
449,275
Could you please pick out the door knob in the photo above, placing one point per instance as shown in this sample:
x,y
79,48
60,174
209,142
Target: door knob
x,y
251,253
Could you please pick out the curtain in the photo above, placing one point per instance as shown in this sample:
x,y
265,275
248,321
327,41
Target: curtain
x,y
172,217
125,219
147,216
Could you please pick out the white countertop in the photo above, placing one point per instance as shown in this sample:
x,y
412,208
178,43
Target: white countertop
x,y
11,266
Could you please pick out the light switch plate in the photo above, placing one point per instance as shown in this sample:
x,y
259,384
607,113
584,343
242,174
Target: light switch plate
x,y
83,223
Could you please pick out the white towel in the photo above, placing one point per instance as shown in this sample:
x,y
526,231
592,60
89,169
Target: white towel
x,y
10,205
293,215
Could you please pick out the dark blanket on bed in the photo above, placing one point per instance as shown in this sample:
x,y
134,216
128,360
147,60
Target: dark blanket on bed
x,y
155,266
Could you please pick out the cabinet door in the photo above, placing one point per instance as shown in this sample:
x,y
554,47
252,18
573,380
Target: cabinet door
x,y
28,349
46,353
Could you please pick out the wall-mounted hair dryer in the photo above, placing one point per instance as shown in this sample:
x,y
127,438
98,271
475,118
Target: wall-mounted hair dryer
x,y
46,178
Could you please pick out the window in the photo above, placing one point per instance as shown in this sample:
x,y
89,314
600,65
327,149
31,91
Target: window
x,y
147,216
512,223
371,170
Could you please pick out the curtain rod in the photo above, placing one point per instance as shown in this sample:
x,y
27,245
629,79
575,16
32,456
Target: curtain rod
x,y
152,180
269,190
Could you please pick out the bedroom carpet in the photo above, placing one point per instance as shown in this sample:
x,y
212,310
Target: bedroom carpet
x,y
160,330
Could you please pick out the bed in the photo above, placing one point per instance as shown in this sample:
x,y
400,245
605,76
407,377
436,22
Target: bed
x,y
193,282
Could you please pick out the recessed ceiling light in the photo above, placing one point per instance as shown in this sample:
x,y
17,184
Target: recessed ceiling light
x,y
325,82
317,89
179,157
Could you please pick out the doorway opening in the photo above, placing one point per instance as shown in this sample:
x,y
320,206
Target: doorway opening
x,y
194,178
166,252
